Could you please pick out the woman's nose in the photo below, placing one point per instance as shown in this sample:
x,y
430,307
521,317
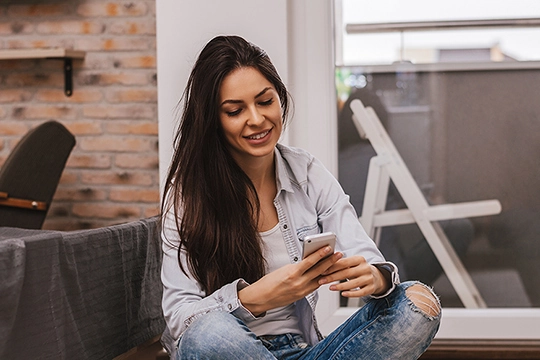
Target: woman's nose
x,y
255,117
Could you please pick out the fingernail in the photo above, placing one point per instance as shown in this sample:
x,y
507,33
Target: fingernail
x,y
322,281
327,249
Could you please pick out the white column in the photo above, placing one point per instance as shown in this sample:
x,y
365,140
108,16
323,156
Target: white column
x,y
311,79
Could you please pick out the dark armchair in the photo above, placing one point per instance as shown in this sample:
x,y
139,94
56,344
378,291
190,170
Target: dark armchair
x,y
30,175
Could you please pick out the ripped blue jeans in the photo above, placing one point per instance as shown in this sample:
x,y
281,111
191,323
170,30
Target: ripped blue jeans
x,y
398,326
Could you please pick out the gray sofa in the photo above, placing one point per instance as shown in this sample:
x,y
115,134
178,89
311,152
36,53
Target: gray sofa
x,y
86,294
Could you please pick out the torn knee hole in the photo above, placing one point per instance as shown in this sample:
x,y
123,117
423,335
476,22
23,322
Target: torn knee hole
x,y
424,299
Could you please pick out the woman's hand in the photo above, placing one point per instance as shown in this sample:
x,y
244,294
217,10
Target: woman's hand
x,y
288,283
362,278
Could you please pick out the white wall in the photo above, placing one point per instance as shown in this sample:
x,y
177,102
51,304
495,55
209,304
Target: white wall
x,y
297,36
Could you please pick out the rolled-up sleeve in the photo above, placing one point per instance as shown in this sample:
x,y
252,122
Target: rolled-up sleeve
x,y
392,269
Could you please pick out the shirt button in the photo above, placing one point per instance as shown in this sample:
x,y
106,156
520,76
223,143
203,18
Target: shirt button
x,y
295,259
285,226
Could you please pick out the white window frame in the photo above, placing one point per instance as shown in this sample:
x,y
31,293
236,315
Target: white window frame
x,y
456,323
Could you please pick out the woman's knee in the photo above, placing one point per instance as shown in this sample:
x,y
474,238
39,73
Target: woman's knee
x,y
424,299
421,316
213,321
214,334
209,328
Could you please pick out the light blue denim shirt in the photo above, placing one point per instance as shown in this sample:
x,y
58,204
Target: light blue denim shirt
x,y
309,201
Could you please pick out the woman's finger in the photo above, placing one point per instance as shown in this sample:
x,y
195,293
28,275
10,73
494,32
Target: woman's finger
x,y
348,262
322,266
358,292
348,268
313,259
352,283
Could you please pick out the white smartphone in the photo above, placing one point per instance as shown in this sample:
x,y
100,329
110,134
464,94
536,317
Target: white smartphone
x,y
313,243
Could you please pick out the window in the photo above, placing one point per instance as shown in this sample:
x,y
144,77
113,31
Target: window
x,y
461,106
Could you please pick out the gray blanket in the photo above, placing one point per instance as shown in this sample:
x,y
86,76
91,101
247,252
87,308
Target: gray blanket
x,y
88,294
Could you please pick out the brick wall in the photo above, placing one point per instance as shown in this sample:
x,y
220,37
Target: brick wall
x,y
112,174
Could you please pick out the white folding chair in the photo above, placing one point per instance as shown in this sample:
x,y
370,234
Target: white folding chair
x,y
388,165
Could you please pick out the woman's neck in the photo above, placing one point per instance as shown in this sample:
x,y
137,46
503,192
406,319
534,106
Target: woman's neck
x,y
266,191
263,176
261,172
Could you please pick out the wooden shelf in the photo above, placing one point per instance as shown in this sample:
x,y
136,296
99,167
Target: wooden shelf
x,y
57,53
41,54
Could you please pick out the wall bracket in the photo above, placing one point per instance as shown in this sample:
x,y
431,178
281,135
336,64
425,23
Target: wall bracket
x,y
56,53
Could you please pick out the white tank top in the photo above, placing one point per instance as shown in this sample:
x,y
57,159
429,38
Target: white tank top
x,y
283,319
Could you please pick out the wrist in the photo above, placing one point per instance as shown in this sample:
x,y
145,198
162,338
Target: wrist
x,y
250,302
384,279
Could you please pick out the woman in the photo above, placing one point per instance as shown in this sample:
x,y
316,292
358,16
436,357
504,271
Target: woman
x,y
236,209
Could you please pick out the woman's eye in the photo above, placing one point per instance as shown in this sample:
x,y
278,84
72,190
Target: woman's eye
x,y
233,113
267,102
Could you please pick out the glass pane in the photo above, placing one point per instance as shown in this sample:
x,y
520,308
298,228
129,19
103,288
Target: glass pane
x,y
465,135
518,44
461,107
381,11
430,46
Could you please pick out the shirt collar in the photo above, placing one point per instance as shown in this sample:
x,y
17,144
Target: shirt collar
x,y
282,173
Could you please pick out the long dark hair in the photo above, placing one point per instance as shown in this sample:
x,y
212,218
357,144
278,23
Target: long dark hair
x,y
215,201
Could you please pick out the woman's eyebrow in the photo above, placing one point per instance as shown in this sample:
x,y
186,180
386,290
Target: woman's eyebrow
x,y
231,101
263,92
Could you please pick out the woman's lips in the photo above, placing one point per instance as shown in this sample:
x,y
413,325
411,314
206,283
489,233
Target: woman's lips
x,y
259,136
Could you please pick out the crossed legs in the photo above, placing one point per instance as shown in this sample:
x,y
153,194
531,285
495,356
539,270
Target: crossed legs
x,y
398,326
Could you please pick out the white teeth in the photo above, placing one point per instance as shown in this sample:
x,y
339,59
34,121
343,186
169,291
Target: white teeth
x,y
258,136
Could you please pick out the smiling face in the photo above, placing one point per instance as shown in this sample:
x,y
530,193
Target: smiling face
x,y
250,115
